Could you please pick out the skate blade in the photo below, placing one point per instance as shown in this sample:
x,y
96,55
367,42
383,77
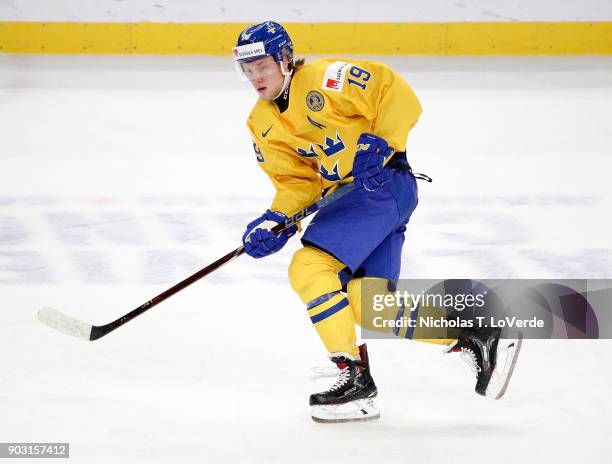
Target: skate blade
x,y
498,389
353,411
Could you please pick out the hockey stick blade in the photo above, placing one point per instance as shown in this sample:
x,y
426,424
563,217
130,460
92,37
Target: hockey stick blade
x,y
66,324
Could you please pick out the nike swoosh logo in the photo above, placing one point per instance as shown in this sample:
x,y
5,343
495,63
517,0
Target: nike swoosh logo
x,y
263,134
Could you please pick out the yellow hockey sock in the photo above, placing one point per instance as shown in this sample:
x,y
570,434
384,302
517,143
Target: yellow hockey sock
x,y
314,277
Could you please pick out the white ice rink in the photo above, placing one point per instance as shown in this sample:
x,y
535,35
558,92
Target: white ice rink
x,y
122,175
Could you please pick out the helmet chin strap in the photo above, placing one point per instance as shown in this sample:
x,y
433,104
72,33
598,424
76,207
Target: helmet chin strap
x,y
286,78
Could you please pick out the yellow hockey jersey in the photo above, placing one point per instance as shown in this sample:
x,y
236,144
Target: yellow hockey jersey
x,y
310,145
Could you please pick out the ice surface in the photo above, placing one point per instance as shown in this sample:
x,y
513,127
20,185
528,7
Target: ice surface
x,y
123,175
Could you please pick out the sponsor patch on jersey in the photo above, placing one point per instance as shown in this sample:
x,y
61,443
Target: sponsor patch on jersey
x,y
249,51
334,76
315,100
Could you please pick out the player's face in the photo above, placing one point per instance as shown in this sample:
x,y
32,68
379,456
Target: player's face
x,y
265,76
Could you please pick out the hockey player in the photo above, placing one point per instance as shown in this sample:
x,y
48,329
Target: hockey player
x,y
314,127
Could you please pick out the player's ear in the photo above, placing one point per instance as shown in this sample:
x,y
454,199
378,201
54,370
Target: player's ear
x,y
286,59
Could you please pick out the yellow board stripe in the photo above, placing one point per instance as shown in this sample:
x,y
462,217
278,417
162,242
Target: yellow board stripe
x,y
516,38
18,37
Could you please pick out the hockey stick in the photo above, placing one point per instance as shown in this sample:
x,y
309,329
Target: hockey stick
x,y
64,323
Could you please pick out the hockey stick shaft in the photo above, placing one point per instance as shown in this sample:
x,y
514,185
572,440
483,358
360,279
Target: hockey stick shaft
x,y
100,331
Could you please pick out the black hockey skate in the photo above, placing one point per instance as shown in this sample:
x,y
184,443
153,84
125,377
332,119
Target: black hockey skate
x,y
491,358
350,398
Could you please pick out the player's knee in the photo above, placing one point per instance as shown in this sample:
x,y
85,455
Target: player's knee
x,y
295,274
313,273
